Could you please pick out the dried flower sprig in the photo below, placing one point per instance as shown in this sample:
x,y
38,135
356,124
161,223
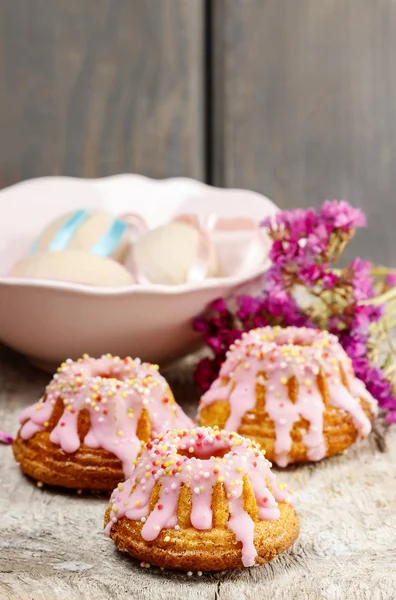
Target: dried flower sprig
x,y
303,288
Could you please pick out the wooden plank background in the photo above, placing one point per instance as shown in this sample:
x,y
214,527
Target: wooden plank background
x,y
303,94
97,87
305,106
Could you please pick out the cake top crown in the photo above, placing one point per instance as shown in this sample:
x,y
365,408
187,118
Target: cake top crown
x,y
300,345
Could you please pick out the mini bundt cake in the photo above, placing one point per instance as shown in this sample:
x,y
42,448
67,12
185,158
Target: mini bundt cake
x,y
88,428
294,391
202,500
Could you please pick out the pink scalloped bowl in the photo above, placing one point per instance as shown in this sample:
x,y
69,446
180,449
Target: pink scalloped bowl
x,y
49,321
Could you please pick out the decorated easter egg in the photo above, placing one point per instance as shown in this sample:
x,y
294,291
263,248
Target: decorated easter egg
x,y
94,231
73,265
172,254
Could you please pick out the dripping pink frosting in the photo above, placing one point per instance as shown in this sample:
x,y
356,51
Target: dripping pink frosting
x,y
270,357
114,391
162,462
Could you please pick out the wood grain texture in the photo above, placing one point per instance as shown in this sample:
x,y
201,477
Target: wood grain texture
x,y
305,106
52,545
97,87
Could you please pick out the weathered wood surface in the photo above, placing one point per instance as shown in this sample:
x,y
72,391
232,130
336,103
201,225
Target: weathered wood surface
x,y
96,87
305,106
52,545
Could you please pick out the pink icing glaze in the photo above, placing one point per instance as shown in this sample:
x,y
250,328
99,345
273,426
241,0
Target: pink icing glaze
x,y
270,357
114,391
162,462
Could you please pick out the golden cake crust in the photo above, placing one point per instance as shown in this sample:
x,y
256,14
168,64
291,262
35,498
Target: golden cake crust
x,y
212,550
86,469
339,431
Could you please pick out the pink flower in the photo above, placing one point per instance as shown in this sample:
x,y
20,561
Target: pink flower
x,y
340,214
329,280
390,280
361,279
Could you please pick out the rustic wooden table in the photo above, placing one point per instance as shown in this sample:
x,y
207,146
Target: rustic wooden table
x,y
52,544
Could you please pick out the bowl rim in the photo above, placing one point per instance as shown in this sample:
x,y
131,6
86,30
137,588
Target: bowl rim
x,y
155,289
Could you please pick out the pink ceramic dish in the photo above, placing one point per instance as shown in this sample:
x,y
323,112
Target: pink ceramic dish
x,y
50,321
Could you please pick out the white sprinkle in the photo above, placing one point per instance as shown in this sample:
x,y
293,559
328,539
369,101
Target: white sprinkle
x,y
173,486
143,519
199,573
177,527
189,573
206,475
196,490
167,538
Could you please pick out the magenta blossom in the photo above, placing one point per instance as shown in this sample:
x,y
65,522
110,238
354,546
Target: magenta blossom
x,y
390,280
340,214
305,244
